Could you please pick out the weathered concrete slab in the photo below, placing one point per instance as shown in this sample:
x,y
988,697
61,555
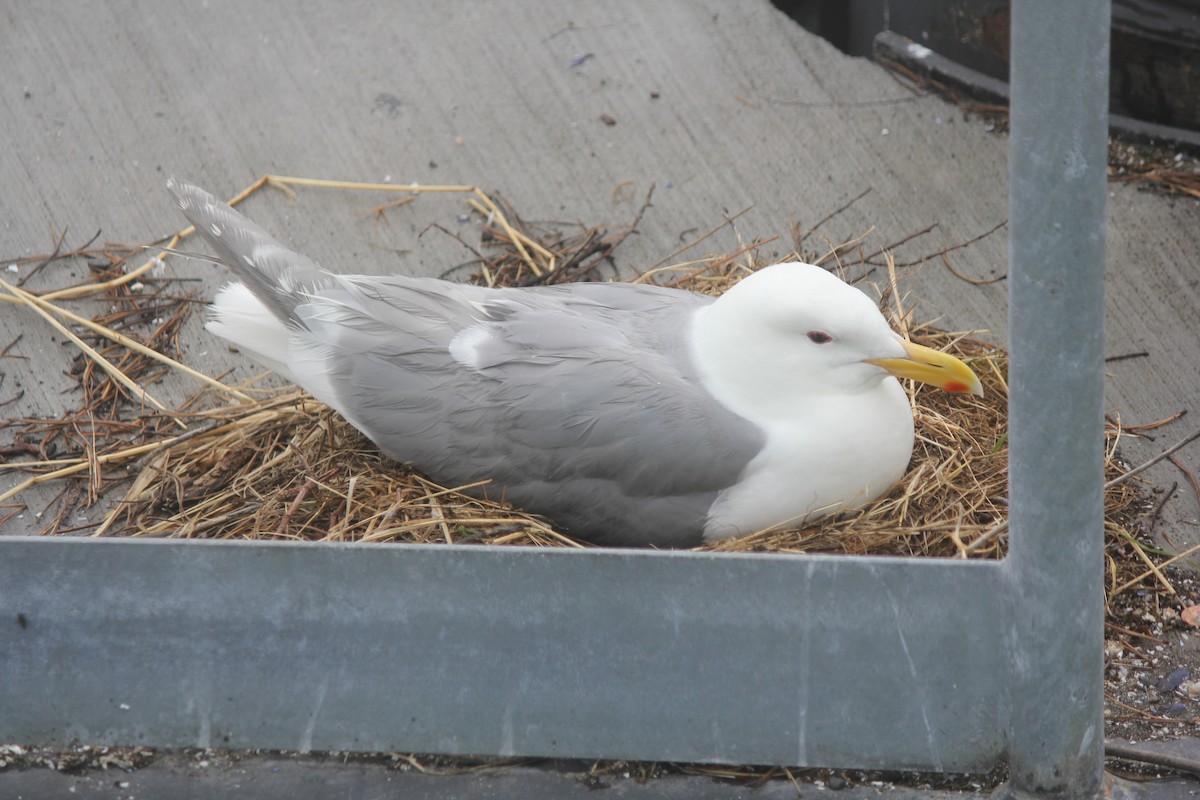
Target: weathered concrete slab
x,y
183,776
266,777
101,103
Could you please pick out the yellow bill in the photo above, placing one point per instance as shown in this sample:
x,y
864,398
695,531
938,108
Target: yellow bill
x,y
934,367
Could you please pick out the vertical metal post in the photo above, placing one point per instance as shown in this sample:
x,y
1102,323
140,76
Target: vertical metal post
x,y
1058,155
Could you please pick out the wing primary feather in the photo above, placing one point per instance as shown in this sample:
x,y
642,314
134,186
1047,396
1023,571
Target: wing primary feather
x,y
277,276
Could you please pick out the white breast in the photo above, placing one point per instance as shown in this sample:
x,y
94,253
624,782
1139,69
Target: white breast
x,y
830,457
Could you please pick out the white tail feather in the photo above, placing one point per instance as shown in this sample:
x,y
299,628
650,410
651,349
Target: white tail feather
x,y
239,316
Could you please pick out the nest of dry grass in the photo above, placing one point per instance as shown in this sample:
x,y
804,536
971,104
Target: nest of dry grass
x,y
286,467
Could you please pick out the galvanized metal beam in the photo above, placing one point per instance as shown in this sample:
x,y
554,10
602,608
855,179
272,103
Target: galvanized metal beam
x,y
857,662
1058,164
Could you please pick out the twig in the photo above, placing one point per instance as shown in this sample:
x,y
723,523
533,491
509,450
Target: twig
x,y
904,240
132,344
1158,509
1147,426
1170,451
607,246
291,509
720,262
799,240
37,305
379,212
1126,356
1158,567
972,281
1130,752
53,255
1153,569
959,246
478,255
654,267
83,464
1136,710
1191,476
589,248
5,352
435,511
641,212
835,250
94,288
1115,627
901,316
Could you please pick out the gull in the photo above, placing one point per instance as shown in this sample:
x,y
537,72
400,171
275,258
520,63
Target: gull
x,y
625,414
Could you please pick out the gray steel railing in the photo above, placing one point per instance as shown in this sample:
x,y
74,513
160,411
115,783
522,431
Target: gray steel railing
x,y
799,660
1058,162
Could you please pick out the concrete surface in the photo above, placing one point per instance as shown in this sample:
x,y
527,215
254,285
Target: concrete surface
x,y
175,776
267,778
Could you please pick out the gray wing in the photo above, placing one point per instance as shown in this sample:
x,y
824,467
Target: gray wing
x,y
578,402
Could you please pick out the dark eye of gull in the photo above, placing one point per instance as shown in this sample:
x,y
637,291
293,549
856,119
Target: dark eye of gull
x,y
819,337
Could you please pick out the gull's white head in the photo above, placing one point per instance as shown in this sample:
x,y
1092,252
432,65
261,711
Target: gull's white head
x,y
794,333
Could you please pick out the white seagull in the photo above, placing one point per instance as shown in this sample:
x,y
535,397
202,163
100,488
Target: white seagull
x,y
626,414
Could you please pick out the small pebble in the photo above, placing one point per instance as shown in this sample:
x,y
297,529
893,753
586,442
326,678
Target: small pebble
x,y
1174,679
